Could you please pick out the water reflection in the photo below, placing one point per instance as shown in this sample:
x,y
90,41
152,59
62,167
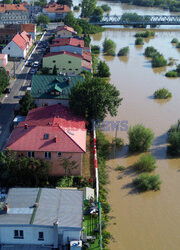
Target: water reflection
x,y
124,59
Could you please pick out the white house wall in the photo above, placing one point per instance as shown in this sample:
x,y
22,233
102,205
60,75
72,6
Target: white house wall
x,y
14,51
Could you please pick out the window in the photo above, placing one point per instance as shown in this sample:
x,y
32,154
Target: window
x,y
30,154
54,61
59,154
9,48
18,234
47,155
46,136
64,69
69,61
70,69
76,69
41,236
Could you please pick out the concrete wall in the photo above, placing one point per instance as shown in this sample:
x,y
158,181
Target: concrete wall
x,y
68,48
62,63
64,33
49,102
13,50
56,162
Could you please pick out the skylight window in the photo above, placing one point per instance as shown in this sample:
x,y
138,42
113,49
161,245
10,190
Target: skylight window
x,y
46,136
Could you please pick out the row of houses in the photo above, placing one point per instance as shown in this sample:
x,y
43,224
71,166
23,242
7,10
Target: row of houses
x,y
25,12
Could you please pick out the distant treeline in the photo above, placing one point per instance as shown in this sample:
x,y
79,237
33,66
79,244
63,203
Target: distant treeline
x,y
172,5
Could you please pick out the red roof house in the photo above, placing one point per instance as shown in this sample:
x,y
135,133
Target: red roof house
x,y
56,11
65,31
52,133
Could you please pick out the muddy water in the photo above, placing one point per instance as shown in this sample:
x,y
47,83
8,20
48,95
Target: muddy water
x,y
149,221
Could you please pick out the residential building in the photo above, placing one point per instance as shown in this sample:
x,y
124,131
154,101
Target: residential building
x,y
13,14
65,31
66,62
56,11
53,89
41,218
3,60
73,45
8,31
19,45
33,10
51,133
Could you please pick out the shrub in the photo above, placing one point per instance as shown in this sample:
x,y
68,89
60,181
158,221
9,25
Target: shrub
x,y
109,47
158,61
147,182
103,145
106,7
178,45
95,49
150,51
174,139
147,33
140,138
174,40
139,41
118,142
162,94
171,73
146,163
120,168
124,51
103,69
106,207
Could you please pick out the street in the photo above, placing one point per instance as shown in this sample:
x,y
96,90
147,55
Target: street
x,y
18,87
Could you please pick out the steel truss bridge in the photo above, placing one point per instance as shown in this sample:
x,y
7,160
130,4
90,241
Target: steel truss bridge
x,y
152,20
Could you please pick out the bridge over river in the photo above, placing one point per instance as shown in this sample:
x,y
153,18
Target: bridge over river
x,y
151,20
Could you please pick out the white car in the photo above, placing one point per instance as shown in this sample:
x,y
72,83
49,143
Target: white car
x,y
36,64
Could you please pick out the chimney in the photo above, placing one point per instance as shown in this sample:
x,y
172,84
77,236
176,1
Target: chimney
x,y
69,80
6,207
25,126
55,138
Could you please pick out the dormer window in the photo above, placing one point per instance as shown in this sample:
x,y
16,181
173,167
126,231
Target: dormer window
x,y
46,136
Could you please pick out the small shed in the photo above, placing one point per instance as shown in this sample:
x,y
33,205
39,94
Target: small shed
x,y
88,193
3,60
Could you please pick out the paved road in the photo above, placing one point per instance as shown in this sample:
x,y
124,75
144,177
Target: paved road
x,y
18,88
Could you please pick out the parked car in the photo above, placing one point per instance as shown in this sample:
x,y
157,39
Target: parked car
x,y
36,64
29,63
7,91
32,71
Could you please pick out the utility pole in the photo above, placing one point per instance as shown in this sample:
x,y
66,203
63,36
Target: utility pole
x,y
100,226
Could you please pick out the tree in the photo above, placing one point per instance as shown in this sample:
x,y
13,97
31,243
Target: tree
x,y
174,139
4,79
158,61
42,19
68,165
162,94
150,51
46,71
88,7
97,14
65,2
26,103
42,3
109,47
103,69
7,1
147,182
124,51
22,171
17,1
54,70
139,41
140,138
94,99
87,40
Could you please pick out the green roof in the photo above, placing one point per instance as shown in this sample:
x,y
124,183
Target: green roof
x,y
43,85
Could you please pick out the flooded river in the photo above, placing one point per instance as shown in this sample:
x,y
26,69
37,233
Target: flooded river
x,y
149,221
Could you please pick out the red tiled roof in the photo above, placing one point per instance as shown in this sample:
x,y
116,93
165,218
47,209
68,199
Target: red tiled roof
x,y
12,7
56,8
55,120
67,41
86,64
25,35
87,56
65,27
19,40
62,53
30,27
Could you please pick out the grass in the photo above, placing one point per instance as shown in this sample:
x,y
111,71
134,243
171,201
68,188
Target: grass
x,y
120,168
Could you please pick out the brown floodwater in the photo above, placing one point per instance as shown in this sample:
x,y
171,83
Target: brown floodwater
x,y
148,221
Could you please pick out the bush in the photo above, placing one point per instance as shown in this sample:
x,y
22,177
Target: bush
x,y
158,61
124,51
147,33
103,145
118,142
146,163
95,49
120,168
140,138
174,139
174,40
147,182
109,47
150,51
162,94
139,41
103,69
106,207
171,73
106,7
